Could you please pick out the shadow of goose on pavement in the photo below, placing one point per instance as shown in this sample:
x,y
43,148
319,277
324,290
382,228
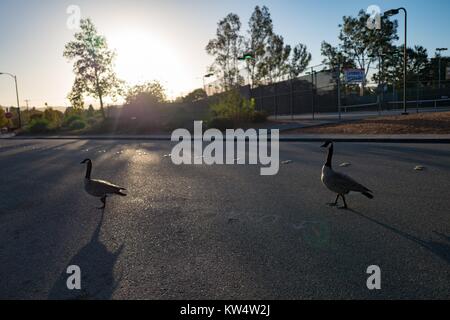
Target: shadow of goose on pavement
x,y
440,249
96,264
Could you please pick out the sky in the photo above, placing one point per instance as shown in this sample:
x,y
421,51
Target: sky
x,y
165,40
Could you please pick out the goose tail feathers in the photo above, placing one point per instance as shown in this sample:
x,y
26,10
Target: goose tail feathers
x,y
368,195
120,193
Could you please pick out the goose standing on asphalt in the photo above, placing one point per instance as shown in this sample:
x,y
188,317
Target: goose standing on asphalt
x,y
338,182
99,188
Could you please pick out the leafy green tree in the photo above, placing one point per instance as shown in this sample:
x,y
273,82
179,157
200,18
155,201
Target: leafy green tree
x,y
418,65
76,94
3,121
150,93
299,60
359,45
196,95
281,62
54,117
274,65
333,57
260,30
93,65
226,48
433,71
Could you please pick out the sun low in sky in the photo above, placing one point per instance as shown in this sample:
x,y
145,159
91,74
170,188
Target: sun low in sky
x,y
143,56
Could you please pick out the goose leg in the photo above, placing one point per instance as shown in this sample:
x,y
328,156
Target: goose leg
x,y
345,203
334,204
103,199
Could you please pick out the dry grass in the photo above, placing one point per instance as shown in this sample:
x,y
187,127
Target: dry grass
x,y
417,123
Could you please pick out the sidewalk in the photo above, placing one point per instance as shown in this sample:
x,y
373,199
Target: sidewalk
x,y
351,115
397,138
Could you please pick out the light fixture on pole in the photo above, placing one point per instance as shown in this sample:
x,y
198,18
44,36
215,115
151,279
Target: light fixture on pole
x,y
391,13
17,95
440,56
206,76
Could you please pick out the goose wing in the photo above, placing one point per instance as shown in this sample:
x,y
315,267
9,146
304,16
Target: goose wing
x,y
348,183
105,186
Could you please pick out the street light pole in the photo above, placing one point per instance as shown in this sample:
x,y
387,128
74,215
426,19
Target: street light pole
x,y
206,76
393,12
17,95
440,56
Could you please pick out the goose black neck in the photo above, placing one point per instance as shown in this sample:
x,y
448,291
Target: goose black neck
x,y
330,156
88,170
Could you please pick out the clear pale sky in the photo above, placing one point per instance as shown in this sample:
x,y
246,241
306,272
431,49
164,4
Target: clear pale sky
x,y
165,40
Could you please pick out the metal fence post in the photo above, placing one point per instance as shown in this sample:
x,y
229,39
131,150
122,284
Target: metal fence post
x,y
417,94
339,90
292,100
275,100
312,93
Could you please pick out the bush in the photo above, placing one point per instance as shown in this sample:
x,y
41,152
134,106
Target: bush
x,y
239,110
39,126
92,121
259,116
54,117
77,125
220,123
72,118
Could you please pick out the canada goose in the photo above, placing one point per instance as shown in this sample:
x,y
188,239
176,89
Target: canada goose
x,y
338,182
99,188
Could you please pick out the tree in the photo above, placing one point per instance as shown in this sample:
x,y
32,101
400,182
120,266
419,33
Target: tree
x,y
274,65
299,61
93,66
418,65
149,94
3,120
281,62
226,49
90,112
76,94
359,45
363,45
54,117
196,95
333,57
260,30
433,72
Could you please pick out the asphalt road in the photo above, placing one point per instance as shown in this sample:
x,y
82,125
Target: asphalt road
x,y
222,232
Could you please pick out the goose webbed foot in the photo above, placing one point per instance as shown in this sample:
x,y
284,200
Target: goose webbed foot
x,y
103,199
344,207
334,204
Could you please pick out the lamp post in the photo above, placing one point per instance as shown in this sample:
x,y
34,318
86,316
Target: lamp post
x,y
390,13
17,95
247,56
206,76
440,56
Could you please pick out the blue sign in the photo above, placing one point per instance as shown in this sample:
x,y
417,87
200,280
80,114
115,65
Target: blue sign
x,y
354,75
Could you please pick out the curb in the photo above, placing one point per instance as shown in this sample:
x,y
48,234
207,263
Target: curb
x,y
361,139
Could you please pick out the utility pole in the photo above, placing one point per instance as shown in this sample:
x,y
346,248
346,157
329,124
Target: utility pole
x,y
440,56
339,89
17,95
390,13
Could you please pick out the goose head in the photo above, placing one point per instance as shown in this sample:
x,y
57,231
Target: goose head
x,y
86,161
327,144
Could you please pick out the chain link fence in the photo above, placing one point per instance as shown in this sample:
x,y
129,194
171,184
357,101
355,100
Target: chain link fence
x,y
320,92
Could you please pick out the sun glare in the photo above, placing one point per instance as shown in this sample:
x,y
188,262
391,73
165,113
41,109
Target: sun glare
x,y
144,57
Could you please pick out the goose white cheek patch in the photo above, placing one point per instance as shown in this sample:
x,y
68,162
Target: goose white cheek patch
x,y
262,148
